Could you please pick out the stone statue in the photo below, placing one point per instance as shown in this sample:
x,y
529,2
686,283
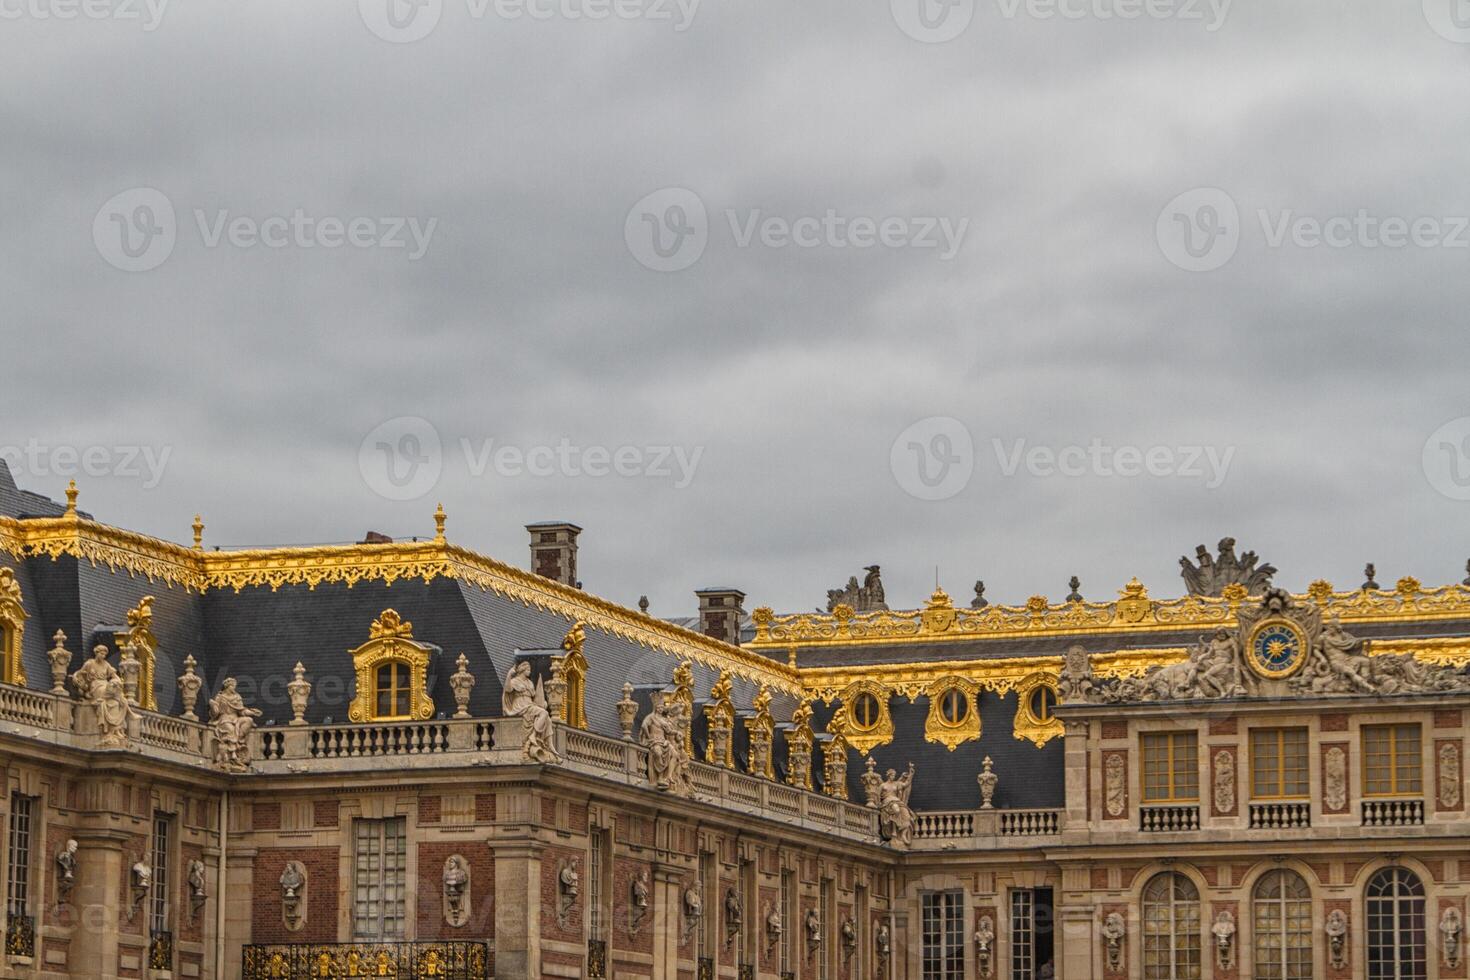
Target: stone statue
x,y
142,881
66,869
462,682
894,815
867,597
97,683
882,944
1451,925
813,928
640,890
293,894
1224,932
668,755
1113,931
231,722
774,926
195,878
693,909
568,886
979,602
984,945
1336,928
527,701
734,914
1211,576
987,780
872,783
456,884
848,931
1076,681
298,689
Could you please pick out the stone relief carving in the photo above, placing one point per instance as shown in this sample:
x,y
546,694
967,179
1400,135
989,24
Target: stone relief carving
x,y
984,945
231,723
1280,648
1449,776
1113,931
456,890
988,781
1336,928
895,818
99,684
1210,576
1115,789
1224,781
1223,932
867,597
293,895
1334,778
1451,925
668,750
1076,681
523,699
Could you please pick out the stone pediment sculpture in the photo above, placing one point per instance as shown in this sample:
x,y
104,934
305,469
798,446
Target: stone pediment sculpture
x,y
1210,576
1281,648
231,723
867,597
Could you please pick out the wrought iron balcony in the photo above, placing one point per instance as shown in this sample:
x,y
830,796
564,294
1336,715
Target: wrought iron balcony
x,y
339,961
20,935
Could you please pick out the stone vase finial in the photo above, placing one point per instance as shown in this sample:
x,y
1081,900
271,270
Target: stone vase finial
x,y
299,690
60,658
189,685
988,781
462,683
627,711
129,667
556,690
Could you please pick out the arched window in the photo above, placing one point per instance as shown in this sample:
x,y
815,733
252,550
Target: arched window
x,y
393,688
1282,926
1171,928
1394,903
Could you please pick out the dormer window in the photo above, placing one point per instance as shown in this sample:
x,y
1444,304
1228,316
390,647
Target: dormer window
x,y
393,690
12,627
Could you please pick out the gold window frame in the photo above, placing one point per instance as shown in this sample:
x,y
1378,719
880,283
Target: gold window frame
x,y
865,738
391,641
12,629
952,733
1027,725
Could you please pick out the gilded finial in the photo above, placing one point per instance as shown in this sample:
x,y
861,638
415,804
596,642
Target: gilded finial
x,y
71,498
439,518
198,533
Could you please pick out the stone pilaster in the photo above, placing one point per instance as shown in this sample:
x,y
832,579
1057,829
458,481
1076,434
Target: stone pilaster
x,y
98,902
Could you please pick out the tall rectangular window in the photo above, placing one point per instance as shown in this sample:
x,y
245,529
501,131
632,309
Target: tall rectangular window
x,y
707,900
860,926
825,953
379,863
18,880
597,890
1170,767
1279,763
158,910
1023,934
942,938
789,925
745,955
1392,765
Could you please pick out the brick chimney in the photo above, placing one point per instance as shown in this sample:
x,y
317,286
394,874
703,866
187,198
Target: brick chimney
x,y
720,613
554,551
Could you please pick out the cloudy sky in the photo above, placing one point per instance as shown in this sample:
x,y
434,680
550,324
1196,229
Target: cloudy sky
x,y
756,292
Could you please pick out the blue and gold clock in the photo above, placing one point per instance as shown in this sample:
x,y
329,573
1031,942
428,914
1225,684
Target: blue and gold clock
x,y
1277,648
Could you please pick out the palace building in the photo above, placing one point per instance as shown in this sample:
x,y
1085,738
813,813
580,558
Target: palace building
x,y
406,759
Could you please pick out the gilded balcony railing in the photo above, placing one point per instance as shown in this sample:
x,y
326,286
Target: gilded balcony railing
x,y
396,961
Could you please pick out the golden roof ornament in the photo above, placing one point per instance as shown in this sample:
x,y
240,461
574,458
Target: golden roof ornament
x,y
939,614
71,498
390,626
439,519
575,639
1320,591
1134,605
198,533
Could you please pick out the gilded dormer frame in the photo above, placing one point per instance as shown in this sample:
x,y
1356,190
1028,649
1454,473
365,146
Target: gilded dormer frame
x,y
952,733
572,665
12,629
865,734
139,635
390,641
1028,727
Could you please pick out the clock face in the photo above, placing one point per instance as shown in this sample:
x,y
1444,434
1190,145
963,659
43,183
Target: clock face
x,y
1277,649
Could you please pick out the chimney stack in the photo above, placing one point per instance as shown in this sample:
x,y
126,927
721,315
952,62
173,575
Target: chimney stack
x,y
554,551
720,613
